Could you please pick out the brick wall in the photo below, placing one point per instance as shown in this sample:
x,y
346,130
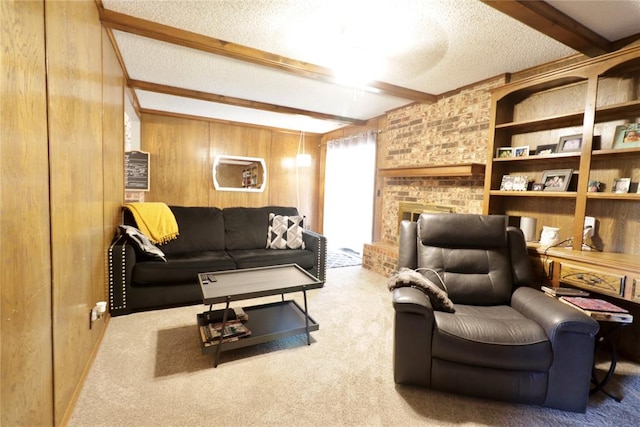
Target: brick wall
x,y
452,130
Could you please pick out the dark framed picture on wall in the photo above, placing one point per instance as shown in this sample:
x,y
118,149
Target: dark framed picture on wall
x,y
570,143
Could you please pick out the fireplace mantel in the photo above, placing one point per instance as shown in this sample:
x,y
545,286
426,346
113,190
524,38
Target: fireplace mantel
x,y
459,169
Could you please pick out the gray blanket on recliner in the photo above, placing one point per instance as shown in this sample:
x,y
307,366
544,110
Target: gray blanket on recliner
x,y
412,278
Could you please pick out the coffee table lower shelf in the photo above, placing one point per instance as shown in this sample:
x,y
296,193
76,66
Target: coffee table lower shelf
x,y
267,322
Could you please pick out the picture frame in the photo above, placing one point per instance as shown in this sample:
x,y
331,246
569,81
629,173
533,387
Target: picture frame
x,y
621,185
514,183
546,149
570,143
522,151
537,186
556,180
507,183
627,136
504,152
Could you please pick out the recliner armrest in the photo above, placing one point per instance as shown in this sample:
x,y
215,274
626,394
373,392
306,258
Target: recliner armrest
x,y
414,323
554,316
408,248
412,300
572,337
317,243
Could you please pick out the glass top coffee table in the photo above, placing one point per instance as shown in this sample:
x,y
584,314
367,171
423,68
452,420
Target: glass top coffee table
x,y
266,322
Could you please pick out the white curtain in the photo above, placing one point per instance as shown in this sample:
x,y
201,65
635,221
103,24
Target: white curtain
x,y
349,188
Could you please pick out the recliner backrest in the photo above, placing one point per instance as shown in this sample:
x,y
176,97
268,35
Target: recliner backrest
x,y
471,255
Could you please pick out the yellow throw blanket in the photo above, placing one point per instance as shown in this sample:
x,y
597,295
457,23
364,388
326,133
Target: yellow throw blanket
x,y
155,220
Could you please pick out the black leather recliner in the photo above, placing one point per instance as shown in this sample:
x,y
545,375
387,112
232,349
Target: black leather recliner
x,y
505,340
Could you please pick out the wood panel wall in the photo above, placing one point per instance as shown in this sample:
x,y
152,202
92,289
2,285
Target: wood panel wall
x,y
113,102
26,374
61,190
291,186
179,152
74,57
183,151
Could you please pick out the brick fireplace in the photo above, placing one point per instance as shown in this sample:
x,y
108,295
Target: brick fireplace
x,y
411,211
429,141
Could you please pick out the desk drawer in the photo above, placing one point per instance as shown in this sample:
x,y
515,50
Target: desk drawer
x,y
589,278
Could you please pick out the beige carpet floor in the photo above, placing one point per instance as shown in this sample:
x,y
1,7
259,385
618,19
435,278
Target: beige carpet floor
x,y
149,371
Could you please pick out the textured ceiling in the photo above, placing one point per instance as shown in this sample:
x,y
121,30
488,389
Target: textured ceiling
x,y
429,46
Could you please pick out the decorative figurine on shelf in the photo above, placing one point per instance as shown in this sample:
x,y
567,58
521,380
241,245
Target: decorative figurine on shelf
x,y
593,186
550,236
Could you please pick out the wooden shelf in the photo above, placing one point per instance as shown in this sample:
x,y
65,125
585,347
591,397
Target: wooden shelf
x,y
625,110
558,121
632,197
556,157
574,96
606,154
545,194
460,169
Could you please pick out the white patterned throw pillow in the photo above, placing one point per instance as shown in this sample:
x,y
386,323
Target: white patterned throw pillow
x,y
142,243
285,232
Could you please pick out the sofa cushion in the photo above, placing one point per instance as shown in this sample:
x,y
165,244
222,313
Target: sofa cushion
x,y
249,258
246,228
201,229
182,268
494,337
285,232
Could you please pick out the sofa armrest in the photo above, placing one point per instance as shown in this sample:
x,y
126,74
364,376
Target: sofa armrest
x,y
121,258
414,322
317,244
572,336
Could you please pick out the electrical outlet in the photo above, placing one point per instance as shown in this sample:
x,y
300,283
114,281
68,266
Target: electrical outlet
x,y
590,224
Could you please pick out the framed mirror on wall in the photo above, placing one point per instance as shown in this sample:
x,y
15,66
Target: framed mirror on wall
x,y
237,173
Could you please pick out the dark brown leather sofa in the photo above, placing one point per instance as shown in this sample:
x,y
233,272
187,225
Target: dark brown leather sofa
x,y
505,340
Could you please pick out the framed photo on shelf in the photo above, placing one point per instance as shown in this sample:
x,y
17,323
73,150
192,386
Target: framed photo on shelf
x,y
621,185
504,152
627,136
570,143
507,183
556,180
537,186
514,183
521,151
545,150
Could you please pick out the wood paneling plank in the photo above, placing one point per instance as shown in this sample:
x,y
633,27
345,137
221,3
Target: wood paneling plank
x,y
26,393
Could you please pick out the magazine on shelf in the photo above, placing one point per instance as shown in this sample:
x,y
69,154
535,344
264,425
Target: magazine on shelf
x,y
562,291
233,331
599,309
